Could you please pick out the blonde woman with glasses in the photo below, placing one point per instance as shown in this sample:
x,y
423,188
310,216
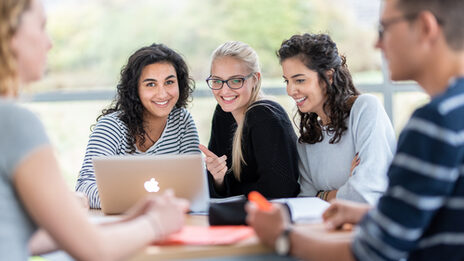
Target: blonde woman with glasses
x,y
252,144
33,194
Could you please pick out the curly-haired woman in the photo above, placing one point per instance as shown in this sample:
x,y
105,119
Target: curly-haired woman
x,y
148,115
346,140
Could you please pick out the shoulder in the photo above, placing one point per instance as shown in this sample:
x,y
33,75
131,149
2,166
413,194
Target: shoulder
x,y
302,147
11,111
111,122
15,117
366,110
111,118
444,111
266,110
366,101
266,106
21,132
451,102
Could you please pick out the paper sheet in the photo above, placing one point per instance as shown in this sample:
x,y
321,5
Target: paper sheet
x,y
305,209
213,235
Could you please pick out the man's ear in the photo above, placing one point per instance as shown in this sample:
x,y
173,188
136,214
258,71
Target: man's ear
x,y
429,26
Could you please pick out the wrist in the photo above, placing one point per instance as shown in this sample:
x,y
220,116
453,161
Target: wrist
x,y
283,244
323,194
331,195
153,220
219,182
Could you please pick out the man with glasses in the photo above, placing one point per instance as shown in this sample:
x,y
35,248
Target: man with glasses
x,y
421,215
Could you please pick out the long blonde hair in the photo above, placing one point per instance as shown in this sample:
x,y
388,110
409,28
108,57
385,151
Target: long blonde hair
x,y
245,54
10,19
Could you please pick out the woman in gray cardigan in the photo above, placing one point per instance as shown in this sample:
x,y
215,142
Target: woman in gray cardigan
x,y
346,139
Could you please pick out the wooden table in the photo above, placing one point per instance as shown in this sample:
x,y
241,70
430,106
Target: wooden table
x,y
247,247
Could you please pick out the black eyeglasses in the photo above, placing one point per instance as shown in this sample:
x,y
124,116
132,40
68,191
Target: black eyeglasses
x,y
383,25
233,83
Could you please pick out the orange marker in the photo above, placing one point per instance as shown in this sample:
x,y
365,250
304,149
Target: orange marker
x,y
259,200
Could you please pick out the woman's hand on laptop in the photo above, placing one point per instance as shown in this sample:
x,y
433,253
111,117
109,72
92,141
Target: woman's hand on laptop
x,y
165,213
217,166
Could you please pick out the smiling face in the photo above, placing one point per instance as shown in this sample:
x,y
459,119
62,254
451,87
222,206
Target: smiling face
x,y
31,44
230,100
303,86
158,89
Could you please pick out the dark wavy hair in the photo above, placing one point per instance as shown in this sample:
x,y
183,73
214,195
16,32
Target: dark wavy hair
x,y
320,54
128,101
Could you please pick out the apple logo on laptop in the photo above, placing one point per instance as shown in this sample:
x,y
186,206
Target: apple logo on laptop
x,y
151,185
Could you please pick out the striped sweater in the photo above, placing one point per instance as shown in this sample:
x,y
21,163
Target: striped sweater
x,y
421,216
111,137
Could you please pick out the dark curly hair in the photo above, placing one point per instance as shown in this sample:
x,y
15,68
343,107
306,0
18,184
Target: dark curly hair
x,y
128,101
320,54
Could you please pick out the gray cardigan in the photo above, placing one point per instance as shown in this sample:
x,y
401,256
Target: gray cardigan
x,y
325,166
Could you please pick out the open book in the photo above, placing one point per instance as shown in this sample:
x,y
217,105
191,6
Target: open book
x,y
305,209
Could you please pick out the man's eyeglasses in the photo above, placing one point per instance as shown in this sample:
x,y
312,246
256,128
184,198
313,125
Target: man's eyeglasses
x,y
383,25
233,83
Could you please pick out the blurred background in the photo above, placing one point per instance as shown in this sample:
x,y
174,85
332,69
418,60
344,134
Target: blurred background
x,y
94,38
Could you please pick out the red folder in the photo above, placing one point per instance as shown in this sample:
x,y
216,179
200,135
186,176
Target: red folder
x,y
213,235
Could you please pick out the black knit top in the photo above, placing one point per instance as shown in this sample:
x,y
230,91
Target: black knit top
x,y
268,147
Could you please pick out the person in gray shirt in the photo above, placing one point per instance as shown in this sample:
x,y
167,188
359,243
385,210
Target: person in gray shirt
x,y
21,135
346,139
33,194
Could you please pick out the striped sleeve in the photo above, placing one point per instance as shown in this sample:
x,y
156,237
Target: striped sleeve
x,y
189,141
423,178
104,140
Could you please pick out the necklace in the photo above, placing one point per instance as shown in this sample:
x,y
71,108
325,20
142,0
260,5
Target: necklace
x,y
147,129
143,147
146,133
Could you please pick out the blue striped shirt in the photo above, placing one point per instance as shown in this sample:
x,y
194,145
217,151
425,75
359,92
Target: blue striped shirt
x,y
111,137
421,216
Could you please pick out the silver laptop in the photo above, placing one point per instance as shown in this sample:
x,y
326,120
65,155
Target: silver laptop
x,y
123,180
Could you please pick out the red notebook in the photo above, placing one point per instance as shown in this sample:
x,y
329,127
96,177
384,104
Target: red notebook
x,y
214,235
